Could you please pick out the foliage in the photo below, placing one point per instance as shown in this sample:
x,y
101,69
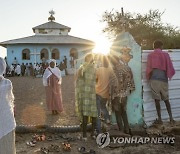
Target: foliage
x,y
145,28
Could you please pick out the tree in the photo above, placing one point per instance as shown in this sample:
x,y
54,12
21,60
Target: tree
x,y
144,28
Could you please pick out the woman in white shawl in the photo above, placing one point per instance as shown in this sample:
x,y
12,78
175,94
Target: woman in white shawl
x,y
52,82
7,120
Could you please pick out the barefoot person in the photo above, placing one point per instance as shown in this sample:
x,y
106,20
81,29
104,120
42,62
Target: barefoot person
x,y
122,84
7,120
52,82
159,69
86,94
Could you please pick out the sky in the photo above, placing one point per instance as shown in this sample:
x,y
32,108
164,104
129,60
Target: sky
x,y
18,17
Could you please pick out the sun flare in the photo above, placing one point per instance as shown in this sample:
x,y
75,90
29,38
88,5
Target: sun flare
x,y
102,46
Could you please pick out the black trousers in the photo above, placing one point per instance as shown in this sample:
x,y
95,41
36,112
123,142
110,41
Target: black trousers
x,y
84,125
119,106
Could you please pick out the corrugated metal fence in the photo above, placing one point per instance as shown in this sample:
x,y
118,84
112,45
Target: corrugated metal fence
x,y
150,113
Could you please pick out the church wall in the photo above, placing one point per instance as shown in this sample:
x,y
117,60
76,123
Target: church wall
x,y
135,101
64,50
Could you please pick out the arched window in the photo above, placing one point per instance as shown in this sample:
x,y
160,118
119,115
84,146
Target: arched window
x,y
74,56
74,53
55,54
26,54
44,54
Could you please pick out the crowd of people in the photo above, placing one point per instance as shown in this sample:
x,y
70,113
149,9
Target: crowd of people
x,y
97,84
112,82
31,69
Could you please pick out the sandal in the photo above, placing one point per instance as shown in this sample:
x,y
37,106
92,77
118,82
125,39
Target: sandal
x,y
66,146
41,138
31,144
35,136
54,148
82,150
44,150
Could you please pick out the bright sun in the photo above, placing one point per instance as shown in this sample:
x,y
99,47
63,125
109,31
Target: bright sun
x,y
102,46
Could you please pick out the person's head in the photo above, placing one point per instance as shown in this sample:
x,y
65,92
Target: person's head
x,y
89,58
2,66
158,44
52,63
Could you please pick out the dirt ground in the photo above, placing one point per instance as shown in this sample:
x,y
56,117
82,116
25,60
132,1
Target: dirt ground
x,y
31,110
22,148
31,105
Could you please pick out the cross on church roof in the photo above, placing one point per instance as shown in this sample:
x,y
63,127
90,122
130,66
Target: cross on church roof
x,y
51,18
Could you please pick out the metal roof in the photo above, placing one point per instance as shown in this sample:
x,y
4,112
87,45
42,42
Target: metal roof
x,y
51,25
150,113
48,39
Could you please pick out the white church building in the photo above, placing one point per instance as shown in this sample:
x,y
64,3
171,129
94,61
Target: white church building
x,y
51,40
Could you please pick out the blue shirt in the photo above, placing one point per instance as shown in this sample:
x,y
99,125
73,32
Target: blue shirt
x,y
158,74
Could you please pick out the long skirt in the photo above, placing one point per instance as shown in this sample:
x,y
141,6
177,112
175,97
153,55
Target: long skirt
x,y
54,98
7,143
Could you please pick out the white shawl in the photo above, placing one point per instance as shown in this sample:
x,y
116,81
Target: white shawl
x,y
47,74
7,120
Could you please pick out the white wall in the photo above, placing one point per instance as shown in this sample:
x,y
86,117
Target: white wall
x,y
150,113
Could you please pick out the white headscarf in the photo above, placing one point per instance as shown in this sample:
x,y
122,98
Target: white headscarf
x,y
53,60
7,121
2,67
48,73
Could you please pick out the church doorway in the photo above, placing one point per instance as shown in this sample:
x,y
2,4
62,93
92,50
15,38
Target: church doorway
x,y
55,54
26,54
44,54
74,56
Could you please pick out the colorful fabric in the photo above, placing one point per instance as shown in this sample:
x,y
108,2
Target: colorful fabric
x,y
85,91
158,74
161,60
122,81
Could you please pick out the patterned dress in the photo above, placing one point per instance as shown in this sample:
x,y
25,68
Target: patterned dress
x,y
85,91
122,82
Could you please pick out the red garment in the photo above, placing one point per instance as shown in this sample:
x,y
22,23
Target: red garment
x,y
53,94
160,60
